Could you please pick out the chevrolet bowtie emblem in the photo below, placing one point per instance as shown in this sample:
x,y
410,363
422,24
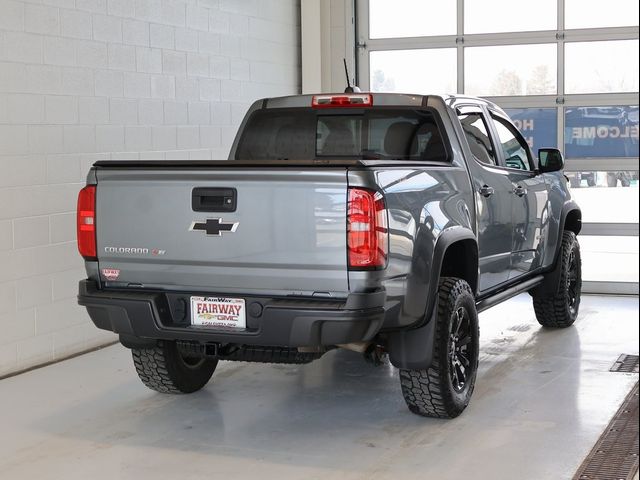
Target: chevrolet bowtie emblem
x,y
214,227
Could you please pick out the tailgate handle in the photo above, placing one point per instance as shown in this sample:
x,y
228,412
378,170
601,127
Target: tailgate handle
x,y
205,199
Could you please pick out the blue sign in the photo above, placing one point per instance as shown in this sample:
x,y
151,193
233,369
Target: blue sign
x,y
539,126
596,132
601,132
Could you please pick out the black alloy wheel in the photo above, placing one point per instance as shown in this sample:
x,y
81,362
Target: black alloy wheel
x,y
573,288
460,349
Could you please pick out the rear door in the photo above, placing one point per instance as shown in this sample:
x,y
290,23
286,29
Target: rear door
x,y
492,188
235,230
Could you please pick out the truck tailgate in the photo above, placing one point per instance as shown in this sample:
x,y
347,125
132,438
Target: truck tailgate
x,y
287,233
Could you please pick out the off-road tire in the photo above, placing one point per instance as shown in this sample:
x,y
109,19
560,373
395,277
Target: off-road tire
x,y
164,369
431,392
560,309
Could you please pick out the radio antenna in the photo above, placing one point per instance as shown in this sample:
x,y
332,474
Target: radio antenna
x,y
346,72
349,88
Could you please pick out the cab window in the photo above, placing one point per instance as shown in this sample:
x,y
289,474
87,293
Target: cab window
x,y
477,133
514,146
299,134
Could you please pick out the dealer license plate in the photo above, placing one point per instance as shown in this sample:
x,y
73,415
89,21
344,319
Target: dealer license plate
x,y
218,312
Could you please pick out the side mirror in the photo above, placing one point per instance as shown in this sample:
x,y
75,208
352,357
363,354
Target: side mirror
x,y
550,160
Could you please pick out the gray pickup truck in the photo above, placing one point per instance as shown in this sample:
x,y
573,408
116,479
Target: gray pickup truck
x,y
379,223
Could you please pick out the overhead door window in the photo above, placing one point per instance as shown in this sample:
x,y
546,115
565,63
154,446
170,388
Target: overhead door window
x,y
511,70
493,16
597,67
601,132
390,19
413,71
593,13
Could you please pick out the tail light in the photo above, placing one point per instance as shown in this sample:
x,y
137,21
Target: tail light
x,y
87,222
341,101
367,232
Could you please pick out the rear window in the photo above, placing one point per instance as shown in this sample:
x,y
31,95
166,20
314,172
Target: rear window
x,y
303,134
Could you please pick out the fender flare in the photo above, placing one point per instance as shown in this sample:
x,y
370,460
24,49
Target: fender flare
x,y
568,207
447,238
412,349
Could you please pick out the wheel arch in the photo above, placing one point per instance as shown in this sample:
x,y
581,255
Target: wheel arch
x,y
455,254
571,218
460,260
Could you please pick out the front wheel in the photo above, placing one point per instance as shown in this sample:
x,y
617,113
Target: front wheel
x,y
165,369
444,389
560,308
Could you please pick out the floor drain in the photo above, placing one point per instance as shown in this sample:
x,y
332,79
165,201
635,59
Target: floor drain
x,y
615,455
626,364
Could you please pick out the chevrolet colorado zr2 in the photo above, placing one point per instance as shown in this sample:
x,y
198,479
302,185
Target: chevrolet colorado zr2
x,y
380,223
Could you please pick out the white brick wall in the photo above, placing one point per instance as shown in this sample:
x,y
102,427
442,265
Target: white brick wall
x,y
85,80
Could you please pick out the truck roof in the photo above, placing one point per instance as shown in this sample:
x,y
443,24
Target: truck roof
x,y
381,99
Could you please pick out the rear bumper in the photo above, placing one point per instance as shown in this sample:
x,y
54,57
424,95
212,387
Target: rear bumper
x,y
270,321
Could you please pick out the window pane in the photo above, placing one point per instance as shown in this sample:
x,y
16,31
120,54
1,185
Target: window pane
x,y
539,126
601,132
414,71
398,135
295,134
511,70
411,18
595,192
593,67
477,135
488,16
592,13
338,136
405,136
513,147
609,259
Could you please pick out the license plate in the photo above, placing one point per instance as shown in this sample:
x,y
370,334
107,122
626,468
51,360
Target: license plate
x,y
218,312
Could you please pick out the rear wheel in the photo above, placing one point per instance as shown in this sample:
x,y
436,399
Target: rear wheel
x,y
560,309
444,389
165,369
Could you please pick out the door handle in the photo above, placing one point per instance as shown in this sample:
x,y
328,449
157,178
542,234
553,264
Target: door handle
x,y
205,199
519,190
486,191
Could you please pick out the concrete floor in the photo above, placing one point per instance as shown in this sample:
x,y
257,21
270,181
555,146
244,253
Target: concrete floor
x,y
542,399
